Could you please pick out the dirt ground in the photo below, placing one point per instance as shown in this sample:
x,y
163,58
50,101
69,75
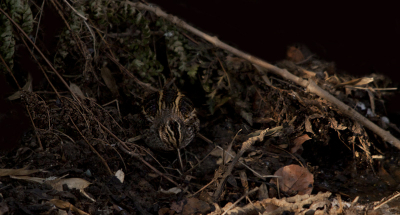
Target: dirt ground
x,y
72,130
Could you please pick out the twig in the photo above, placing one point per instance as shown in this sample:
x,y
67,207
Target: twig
x,y
9,70
77,13
40,18
309,85
240,199
395,195
93,149
34,127
245,146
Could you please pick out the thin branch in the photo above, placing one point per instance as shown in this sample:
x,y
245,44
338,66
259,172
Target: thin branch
x,y
309,85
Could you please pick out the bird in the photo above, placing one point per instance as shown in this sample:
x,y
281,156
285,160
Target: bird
x,y
171,119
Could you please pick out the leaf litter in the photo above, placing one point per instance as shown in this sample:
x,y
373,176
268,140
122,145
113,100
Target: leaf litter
x,y
307,145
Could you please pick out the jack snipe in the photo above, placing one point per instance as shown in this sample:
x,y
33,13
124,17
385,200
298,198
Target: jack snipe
x,y
172,120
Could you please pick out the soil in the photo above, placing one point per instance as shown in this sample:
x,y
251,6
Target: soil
x,y
83,128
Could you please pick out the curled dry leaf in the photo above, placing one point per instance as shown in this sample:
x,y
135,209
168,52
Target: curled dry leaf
x,y
298,142
294,179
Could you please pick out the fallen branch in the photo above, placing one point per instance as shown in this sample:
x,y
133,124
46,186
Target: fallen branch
x,y
309,85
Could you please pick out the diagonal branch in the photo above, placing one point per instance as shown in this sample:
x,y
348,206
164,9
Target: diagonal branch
x,y
309,85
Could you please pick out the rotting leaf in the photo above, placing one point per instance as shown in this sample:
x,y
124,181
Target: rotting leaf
x,y
298,142
194,206
67,206
294,179
109,80
76,90
247,116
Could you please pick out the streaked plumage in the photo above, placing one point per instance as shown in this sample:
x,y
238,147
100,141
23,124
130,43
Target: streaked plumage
x,y
172,120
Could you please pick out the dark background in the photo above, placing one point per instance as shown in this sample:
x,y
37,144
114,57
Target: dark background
x,y
361,38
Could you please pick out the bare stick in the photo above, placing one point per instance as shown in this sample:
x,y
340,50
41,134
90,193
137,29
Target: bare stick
x,y
309,85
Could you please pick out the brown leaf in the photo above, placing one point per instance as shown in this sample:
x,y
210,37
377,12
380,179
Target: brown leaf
x,y
177,207
298,142
75,89
294,179
263,192
308,126
294,54
67,206
109,80
163,211
77,183
247,116
357,82
22,171
195,206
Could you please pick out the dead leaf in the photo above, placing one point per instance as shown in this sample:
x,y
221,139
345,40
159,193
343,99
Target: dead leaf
x,y
294,179
194,206
77,183
174,190
109,80
308,125
247,116
27,87
120,175
28,178
76,90
334,124
163,211
298,142
67,206
217,152
177,207
22,171
294,54
357,82
262,192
